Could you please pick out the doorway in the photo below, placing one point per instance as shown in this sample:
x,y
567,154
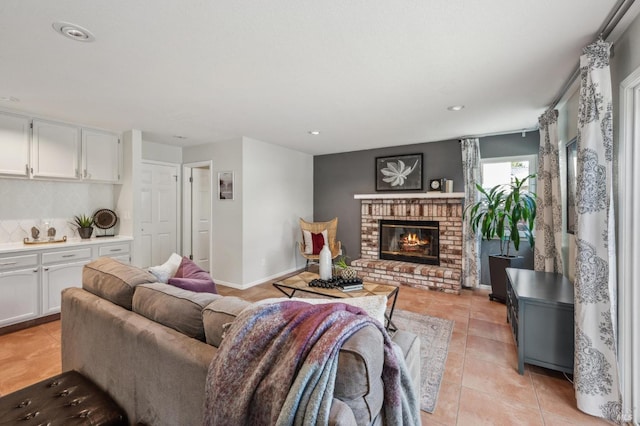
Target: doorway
x,y
197,199
160,212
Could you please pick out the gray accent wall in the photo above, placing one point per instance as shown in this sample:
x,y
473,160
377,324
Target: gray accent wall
x,y
337,177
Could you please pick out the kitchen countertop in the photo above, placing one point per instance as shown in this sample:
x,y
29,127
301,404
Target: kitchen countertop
x,y
71,242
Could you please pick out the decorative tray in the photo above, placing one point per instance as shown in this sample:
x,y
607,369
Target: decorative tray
x,y
28,241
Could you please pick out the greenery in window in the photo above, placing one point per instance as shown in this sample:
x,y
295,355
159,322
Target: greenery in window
x,y
503,212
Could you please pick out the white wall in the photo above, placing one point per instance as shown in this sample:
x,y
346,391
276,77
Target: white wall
x,y
278,190
160,152
255,234
127,194
226,228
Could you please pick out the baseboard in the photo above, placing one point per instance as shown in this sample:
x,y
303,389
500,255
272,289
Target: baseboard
x,y
260,281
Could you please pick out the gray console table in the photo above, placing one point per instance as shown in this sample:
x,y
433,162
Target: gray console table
x,y
540,311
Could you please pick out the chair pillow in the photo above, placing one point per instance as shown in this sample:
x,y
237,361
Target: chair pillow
x,y
167,269
313,243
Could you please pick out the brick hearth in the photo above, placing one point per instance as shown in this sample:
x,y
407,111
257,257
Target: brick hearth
x,y
444,208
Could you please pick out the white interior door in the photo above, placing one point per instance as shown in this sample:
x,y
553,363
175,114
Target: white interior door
x,y
201,216
159,200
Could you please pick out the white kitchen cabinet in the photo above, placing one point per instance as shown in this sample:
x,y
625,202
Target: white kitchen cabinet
x,y
15,135
32,280
55,150
56,278
18,288
101,154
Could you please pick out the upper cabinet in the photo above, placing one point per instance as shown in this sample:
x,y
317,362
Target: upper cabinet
x,y
14,139
41,149
55,150
100,156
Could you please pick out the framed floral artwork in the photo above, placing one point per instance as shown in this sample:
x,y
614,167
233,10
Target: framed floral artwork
x,y
399,173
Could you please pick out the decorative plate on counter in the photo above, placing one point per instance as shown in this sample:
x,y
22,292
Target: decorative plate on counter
x,y
105,219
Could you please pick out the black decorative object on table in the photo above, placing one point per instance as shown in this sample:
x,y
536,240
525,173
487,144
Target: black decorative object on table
x,y
339,283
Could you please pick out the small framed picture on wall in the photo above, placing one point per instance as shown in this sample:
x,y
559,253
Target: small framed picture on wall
x,y
225,185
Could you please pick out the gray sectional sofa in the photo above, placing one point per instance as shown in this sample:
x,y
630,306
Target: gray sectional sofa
x,y
149,345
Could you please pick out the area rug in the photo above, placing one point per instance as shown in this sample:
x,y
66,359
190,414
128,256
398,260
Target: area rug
x,y
435,334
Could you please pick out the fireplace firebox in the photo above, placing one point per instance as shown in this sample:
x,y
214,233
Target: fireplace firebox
x,y
409,241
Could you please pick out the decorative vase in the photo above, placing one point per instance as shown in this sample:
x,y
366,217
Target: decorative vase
x,y
325,263
348,273
85,233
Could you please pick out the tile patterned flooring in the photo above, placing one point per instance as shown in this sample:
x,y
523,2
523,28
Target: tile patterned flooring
x,y
481,385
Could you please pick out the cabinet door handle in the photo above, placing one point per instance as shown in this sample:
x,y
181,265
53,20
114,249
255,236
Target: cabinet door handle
x,y
46,269
112,250
26,169
8,263
68,255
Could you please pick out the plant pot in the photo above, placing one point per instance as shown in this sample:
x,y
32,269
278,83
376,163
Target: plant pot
x,y
497,266
85,233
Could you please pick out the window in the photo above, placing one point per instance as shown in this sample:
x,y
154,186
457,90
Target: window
x,y
504,170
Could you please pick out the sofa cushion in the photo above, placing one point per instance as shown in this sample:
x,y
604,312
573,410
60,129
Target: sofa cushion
x,y
113,280
168,269
217,314
173,307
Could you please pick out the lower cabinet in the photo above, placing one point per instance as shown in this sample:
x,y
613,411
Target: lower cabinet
x,y
55,279
19,301
31,282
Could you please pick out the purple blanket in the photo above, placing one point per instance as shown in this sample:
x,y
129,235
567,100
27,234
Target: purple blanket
x,y
277,365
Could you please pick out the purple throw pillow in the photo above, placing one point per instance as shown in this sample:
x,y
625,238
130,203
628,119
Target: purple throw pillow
x,y
190,276
194,284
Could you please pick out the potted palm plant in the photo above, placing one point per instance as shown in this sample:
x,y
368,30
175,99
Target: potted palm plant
x,y
503,212
84,225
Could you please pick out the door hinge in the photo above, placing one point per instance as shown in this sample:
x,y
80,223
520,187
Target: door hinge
x,y
190,257
190,179
31,124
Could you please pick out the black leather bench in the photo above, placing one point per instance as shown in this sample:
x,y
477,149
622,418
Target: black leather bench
x,y
67,399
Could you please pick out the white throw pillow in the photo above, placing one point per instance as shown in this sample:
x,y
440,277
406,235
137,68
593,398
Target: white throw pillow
x,y
168,269
374,306
308,240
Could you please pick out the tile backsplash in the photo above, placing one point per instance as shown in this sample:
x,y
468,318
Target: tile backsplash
x,y
28,203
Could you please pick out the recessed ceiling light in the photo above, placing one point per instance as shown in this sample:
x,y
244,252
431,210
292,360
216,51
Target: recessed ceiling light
x,y
314,132
73,31
8,99
455,107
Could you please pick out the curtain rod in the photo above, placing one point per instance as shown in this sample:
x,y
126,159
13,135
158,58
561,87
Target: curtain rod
x,y
609,24
508,132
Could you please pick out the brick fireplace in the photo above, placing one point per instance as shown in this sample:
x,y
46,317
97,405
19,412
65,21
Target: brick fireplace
x,y
444,208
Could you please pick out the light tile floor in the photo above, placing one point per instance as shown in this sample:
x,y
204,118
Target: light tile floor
x,y
481,385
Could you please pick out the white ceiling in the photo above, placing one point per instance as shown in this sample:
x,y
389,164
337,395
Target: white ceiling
x,y
366,74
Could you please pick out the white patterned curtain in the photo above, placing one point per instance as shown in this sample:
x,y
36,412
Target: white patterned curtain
x,y
470,241
548,248
596,366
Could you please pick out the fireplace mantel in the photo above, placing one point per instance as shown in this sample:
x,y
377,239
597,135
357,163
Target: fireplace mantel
x,y
408,196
